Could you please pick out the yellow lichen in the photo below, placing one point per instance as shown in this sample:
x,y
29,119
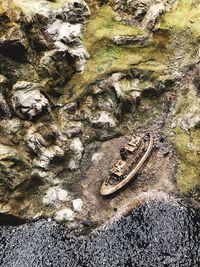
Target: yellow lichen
x,y
186,15
187,148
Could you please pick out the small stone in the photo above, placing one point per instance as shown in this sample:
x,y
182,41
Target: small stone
x,y
55,195
62,195
77,204
64,215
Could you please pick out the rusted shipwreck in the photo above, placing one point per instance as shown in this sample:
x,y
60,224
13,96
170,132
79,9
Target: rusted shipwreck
x,y
133,156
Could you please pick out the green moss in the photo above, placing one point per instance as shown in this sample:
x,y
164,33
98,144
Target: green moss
x,y
187,147
107,57
185,15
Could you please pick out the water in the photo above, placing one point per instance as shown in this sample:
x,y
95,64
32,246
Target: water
x,y
154,234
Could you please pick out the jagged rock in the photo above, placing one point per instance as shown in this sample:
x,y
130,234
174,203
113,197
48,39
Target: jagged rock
x,y
77,204
74,11
125,40
80,56
27,100
106,104
65,31
11,126
14,44
13,168
143,12
136,8
64,215
55,64
3,81
152,15
54,195
4,109
103,119
73,129
77,148
45,145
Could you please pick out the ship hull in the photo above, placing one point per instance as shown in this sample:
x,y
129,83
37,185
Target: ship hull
x,y
107,189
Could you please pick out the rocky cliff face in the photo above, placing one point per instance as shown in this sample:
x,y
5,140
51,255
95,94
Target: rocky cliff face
x,y
76,80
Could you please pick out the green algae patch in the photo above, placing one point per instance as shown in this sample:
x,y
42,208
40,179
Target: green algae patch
x,y
186,15
188,173
107,57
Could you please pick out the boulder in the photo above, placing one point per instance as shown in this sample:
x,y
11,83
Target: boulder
x,y
27,100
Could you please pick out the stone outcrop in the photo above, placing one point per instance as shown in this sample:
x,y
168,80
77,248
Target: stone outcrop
x,y
143,12
27,100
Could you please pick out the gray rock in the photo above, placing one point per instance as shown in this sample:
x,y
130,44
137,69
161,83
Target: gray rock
x,y
14,43
125,40
143,12
153,14
4,108
103,119
73,129
77,148
74,11
55,195
27,100
65,32
54,64
46,144
64,215
77,204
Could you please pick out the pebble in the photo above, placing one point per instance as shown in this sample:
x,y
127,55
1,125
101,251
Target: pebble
x,y
77,204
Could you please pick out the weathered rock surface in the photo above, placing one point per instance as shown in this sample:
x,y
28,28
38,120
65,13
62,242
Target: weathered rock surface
x,y
55,195
145,12
27,100
64,215
4,109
